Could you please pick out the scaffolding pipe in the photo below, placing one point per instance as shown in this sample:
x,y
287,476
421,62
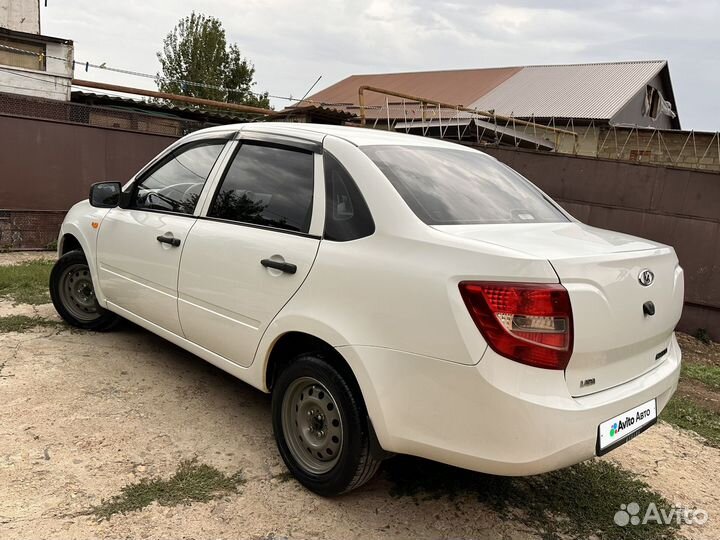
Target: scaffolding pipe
x,y
174,97
422,101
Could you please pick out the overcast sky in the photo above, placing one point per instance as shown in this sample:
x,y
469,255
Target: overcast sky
x,y
292,42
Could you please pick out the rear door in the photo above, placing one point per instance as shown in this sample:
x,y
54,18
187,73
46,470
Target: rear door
x,y
252,250
139,247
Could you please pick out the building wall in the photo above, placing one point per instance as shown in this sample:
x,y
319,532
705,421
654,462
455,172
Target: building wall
x,y
631,113
669,205
52,83
20,15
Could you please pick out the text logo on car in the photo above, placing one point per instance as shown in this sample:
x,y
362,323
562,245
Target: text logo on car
x,y
646,277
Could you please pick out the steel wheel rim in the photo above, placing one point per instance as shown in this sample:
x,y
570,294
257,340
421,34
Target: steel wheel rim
x,y
312,425
77,293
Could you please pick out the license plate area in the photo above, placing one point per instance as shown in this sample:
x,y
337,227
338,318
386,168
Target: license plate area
x,y
625,426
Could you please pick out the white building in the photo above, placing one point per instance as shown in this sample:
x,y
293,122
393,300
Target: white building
x,y
32,64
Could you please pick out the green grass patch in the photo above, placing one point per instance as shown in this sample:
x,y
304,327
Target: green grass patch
x,y
707,374
577,502
22,323
26,283
686,414
193,482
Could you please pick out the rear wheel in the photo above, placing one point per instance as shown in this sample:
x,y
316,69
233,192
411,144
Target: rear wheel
x,y
321,427
73,294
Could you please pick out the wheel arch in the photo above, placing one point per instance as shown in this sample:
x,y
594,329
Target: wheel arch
x,y
292,343
73,236
68,242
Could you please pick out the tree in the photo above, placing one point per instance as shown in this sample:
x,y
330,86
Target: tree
x,y
196,51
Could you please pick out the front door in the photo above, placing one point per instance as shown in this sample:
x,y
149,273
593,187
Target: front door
x,y
139,247
246,259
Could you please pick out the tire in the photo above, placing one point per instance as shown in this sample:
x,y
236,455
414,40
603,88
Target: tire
x,y
73,295
321,427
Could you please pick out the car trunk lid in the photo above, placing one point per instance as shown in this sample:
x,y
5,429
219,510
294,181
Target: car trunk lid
x,y
615,339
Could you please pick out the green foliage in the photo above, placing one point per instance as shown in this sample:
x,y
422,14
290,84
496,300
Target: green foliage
x,y
577,502
192,482
26,283
196,50
702,335
685,413
708,375
22,323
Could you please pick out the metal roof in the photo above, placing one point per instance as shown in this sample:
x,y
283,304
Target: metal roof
x,y
145,105
461,87
593,91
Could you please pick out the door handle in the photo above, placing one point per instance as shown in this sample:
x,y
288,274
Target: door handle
x,y
174,242
282,266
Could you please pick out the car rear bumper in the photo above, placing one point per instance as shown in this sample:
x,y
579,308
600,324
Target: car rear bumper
x,y
499,416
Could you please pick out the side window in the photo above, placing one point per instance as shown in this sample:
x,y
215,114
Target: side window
x,y
267,185
175,185
347,216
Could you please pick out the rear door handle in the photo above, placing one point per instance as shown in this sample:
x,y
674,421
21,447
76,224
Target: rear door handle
x,y
175,242
282,266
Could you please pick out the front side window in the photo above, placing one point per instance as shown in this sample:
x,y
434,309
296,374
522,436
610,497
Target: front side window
x,y
268,186
444,186
175,185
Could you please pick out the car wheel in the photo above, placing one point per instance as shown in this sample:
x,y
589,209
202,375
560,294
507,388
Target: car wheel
x,y
321,427
73,294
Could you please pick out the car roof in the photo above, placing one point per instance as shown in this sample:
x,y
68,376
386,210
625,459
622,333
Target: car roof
x,y
356,135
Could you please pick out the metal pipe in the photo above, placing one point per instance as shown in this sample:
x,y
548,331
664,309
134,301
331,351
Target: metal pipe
x,y
422,101
173,97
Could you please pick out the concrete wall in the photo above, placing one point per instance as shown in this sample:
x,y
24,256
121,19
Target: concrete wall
x,y
20,15
674,206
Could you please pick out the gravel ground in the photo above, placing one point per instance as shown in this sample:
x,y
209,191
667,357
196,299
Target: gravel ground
x,y
83,415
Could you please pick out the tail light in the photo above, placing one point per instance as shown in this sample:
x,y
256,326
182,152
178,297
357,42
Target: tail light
x,y
530,323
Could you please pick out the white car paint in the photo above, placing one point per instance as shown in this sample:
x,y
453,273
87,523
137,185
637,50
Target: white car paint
x,y
389,304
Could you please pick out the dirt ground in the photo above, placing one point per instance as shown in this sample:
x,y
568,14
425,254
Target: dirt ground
x,y
82,415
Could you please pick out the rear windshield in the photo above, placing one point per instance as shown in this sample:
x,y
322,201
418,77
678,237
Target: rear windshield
x,y
451,187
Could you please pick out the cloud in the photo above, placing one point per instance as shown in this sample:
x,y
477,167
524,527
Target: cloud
x,y
292,42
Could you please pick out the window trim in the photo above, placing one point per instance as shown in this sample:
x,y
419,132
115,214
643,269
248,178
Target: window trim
x,y
270,143
163,160
279,139
258,226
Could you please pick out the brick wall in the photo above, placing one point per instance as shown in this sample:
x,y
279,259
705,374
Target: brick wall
x,y
29,229
685,149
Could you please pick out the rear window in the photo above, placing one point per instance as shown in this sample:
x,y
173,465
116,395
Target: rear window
x,y
453,187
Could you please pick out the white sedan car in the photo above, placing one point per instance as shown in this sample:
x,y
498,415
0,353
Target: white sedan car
x,y
395,294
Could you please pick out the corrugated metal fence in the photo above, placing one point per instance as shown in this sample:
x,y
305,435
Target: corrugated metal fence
x,y
46,166
679,207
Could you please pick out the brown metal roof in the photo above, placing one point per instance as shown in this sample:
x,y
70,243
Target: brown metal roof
x,y
591,91
460,87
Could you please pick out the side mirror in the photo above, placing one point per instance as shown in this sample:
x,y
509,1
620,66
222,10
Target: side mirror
x,y
105,194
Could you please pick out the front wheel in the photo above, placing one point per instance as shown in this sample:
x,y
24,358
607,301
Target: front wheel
x,y
73,294
321,427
